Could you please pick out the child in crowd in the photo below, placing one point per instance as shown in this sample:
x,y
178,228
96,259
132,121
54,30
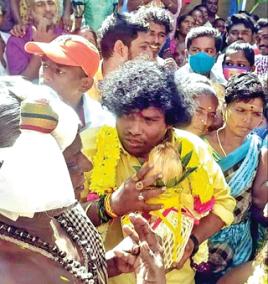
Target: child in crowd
x,y
238,58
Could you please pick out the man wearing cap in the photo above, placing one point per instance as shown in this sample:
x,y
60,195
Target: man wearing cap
x,y
69,64
43,28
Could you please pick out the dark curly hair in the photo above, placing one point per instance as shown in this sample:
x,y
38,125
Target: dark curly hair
x,y
140,84
245,86
156,15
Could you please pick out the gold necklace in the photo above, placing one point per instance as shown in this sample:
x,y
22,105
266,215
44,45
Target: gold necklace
x,y
219,142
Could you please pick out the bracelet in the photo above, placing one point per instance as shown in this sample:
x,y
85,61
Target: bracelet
x,y
107,205
104,217
196,244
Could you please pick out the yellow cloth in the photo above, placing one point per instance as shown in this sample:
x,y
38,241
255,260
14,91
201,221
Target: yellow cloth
x,y
208,173
94,91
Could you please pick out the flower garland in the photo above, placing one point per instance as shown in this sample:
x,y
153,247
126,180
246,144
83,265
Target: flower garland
x,y
103,176
103,181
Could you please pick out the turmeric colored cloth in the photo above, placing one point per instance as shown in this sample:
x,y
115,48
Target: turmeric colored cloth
x,y
208,176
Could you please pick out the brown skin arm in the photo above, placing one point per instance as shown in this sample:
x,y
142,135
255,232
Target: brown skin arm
x,y
66,18
29,267
207,227
31,72
238,275
92,212
260,185
126,200
14,5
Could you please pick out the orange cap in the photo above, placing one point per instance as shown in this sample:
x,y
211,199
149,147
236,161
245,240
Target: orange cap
x,y
72,50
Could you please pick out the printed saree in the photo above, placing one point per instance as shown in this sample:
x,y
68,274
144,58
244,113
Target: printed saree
x,y
233,245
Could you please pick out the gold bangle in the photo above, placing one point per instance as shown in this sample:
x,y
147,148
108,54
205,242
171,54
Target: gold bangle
x,y
107,206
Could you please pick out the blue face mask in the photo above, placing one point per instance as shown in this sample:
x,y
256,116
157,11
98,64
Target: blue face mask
x,y
201,62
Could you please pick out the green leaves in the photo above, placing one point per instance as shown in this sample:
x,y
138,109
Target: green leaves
x,y
136,168
186,159
172,182
187,173
159,183
179,149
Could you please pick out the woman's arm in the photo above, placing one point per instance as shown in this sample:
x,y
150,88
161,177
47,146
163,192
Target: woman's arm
x,y
260,185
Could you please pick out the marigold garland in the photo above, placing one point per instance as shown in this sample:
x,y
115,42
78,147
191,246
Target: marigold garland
x,y
103,181
103,176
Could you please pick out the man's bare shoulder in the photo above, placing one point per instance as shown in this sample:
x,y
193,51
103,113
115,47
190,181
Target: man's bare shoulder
x,y
21,265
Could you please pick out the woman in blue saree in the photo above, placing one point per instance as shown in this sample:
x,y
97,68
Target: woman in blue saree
x,y
238,153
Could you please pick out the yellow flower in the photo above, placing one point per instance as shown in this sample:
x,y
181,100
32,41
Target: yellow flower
x,y
103,176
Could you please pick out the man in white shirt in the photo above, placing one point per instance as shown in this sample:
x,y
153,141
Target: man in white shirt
x,y
202,48
69,64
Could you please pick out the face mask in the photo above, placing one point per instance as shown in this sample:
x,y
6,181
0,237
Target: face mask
x,y
201,62
231,71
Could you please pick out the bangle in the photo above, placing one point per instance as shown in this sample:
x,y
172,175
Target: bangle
x,y
104,217
196,244
107,206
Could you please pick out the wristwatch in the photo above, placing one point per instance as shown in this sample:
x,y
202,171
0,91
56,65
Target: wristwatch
x,y
196,244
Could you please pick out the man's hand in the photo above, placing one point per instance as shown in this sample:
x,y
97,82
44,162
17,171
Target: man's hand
x,y
132,195
170,64
67,22
18,30
140,253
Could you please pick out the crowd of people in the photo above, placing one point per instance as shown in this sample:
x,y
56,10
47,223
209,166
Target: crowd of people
x,y
133,143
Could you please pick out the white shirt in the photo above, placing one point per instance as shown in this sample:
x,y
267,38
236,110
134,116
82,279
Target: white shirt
x,y
215,74
95,115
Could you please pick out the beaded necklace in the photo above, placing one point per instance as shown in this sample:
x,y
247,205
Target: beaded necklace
x,y
21,237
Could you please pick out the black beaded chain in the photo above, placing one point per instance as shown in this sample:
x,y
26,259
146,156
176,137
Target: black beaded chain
x,y
69,264
90,258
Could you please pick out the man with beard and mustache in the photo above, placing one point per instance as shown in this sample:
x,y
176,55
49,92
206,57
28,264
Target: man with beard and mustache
x,y
160,25
147,105
261,60
240,27
121,38
42,29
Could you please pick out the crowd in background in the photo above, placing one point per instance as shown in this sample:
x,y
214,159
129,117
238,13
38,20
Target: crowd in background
x,y
199,73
